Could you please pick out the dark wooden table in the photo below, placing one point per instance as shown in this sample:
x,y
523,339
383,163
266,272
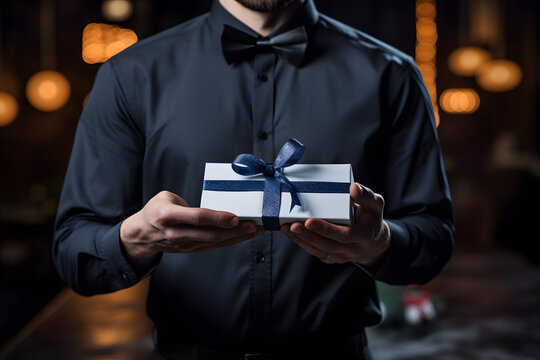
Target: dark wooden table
x,y
492,312
112,326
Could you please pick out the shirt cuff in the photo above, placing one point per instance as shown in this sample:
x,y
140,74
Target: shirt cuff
x,y
110,249
383,268
398,239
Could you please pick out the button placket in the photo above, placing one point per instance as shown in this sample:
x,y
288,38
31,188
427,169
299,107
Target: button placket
x,y
261,247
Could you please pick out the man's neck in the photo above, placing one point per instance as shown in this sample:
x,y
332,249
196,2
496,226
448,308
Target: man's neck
x,y
264,23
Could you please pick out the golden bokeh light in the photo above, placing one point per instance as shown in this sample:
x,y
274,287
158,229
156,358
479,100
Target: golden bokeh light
x,y
425,53
459,101
9,108
117,10
102,41
499,75
48,90
426,10
426,48
467,60
429,72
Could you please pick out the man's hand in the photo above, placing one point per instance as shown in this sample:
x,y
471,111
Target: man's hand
x,y
167,224
363,242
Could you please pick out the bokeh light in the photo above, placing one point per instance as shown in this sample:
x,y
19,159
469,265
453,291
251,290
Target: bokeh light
x,y
426,48
117,10
102,41
48,90
460,101
9,108
467,60
499,75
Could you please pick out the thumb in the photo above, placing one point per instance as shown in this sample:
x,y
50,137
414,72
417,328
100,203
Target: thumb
x,y
368,199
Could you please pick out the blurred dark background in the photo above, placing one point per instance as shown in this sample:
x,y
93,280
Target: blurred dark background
x,y
492,155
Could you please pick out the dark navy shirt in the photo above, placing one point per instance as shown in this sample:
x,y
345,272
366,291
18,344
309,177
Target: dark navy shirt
x,y
167,105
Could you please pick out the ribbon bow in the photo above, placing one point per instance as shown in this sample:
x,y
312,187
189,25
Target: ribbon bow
x,y
247,164
238,45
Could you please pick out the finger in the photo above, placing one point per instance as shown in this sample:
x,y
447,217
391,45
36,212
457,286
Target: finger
x,y
368,199
315,240
174,214
328,230
314,251
229,242
310,249
197,235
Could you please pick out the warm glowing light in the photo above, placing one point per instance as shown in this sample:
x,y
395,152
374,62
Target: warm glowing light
x,y
426,10
429,72
426,48
9,109
425,53
499,75
117,10
101,42
426,38
466,61
48,90
460,101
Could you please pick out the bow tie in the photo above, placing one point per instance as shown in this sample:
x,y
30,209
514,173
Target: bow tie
x,y
238,45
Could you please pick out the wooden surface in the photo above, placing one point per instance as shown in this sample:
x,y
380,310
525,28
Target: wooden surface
x,y
112,326
491,313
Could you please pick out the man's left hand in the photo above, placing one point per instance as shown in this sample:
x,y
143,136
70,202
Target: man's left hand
x,y
363,242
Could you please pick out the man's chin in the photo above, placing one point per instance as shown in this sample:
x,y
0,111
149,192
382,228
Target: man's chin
x,y
265,5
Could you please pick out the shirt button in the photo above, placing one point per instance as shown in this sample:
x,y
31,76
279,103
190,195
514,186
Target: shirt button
x,y
263,77
262,135
260,258
125,277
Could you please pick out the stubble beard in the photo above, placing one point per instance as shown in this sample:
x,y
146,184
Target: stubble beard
x,y
265,5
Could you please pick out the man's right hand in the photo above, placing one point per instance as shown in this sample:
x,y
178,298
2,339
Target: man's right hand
x,y
167,224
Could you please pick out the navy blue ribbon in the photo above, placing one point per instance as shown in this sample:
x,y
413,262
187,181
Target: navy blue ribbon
x,y
321,187
275,182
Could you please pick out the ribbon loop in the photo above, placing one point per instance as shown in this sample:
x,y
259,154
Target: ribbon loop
x,y
247,164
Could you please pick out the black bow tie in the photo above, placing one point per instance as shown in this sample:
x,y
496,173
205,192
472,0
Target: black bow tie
x,y
237,45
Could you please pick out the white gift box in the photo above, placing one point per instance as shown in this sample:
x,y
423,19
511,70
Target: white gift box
x,y
334,206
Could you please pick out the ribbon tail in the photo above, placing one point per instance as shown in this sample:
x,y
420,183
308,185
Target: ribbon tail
x,y
295,200
271,203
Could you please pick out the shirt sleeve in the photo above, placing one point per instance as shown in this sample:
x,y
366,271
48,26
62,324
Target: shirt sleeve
x,y
418,206
102,187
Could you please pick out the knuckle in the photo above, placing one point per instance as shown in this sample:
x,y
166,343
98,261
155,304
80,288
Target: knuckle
x,y
161,215
164,194
168,233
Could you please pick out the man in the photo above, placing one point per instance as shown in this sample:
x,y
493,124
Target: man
x,y
245,78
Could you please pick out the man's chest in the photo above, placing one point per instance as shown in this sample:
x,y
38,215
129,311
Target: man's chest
x,y
211,116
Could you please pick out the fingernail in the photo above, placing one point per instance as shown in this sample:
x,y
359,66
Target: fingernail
x,y
234,221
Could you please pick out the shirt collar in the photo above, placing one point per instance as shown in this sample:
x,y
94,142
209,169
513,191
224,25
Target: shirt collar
x,y
306,15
